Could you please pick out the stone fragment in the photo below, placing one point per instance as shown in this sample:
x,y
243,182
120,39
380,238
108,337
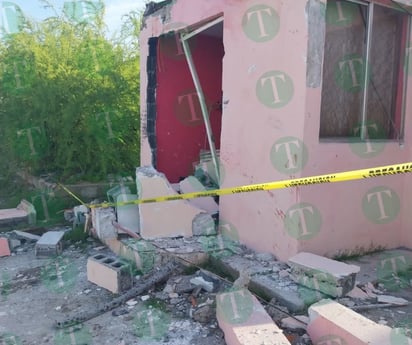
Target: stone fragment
x,y
102,220
203,225
162,219
291,322
192,184
392,300
328,276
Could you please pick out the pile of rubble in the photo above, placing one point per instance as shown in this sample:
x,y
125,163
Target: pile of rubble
x,y
252,297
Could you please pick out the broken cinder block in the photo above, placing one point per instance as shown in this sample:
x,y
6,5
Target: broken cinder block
x,y
162,219
333,323
102,220
244,320
109,273
329,276
50,244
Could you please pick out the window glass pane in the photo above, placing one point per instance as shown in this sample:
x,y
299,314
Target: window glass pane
x,y
343,69
385,82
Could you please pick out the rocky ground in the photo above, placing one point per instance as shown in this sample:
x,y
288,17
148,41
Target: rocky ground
x,y
37,292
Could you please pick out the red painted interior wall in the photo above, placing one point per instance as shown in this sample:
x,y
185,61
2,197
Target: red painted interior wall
x,y
180,130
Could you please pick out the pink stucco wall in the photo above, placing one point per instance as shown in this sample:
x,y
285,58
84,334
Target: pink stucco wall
x,y
266,45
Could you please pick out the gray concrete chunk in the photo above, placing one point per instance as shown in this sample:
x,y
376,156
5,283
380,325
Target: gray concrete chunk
x,y
319,273
50,244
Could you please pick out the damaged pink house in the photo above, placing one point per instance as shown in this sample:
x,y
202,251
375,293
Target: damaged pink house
x,y
275,90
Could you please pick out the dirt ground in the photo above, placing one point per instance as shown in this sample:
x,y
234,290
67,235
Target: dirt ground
x,y
37,292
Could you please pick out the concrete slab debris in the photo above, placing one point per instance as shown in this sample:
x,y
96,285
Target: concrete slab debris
x,y
192,184
244,320
331,321
200,281
329,276
26,236
50,244
266,281
4,247
165,219
24,213
392,300
357,293
109,273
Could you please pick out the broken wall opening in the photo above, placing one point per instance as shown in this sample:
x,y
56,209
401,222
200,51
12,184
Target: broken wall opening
x,y
175,122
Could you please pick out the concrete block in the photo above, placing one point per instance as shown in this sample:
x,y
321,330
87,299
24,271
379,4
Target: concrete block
x,y
244,320
163,219
49,244
13,217
203,225
109,273
128,215
102,220
329,276
192,184
26,236
4,247
333,323
266,283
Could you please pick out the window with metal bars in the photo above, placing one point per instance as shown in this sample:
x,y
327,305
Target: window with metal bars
x,y
364,71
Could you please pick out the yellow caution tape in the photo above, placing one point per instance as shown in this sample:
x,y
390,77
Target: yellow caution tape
x,y
72,194
304,181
